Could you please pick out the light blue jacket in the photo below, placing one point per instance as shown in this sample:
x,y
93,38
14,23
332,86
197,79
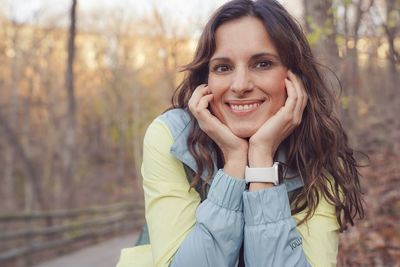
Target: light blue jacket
x,y
231,216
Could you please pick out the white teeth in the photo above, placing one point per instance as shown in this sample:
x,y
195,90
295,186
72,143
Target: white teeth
x,y
246,107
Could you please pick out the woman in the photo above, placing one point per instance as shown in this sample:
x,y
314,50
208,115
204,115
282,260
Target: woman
x,y
252,96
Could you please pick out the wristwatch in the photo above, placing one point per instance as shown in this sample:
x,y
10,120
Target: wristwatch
x,y
263,175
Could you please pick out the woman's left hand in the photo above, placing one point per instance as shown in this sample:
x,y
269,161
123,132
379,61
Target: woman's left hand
x,y
264,143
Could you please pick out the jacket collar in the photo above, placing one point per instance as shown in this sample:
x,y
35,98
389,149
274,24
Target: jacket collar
x,y
180,149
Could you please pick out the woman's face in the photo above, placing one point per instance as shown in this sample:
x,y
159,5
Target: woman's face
x,y
246,76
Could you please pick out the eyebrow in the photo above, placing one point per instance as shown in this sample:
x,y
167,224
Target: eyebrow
x,y
258,55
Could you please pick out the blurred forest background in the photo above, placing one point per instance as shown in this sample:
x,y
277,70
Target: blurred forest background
x,y
78,89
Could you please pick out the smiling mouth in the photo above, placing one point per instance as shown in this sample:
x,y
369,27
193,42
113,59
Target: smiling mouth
x,y
244,108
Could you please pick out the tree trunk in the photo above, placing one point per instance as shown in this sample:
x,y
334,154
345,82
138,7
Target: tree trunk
x,y
319,17
391,26
70,138
137,130
8,189
29,167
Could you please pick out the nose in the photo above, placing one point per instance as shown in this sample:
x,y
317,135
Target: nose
x,y
241,82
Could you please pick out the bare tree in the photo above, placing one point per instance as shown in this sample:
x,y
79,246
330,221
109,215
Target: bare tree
x,y
26,160
167,40
9,153
351,31
349,69
391,26
69,156
320,20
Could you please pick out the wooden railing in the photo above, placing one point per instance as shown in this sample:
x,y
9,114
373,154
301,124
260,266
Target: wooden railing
x,y
24,235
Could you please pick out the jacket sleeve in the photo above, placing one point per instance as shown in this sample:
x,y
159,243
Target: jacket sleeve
x,y
218,232
182,232
272,239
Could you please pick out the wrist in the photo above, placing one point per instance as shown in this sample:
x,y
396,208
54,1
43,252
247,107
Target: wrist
x,y
235,161
235,169
259,158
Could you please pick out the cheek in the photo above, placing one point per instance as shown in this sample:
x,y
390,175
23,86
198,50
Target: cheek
x,y
217,88
281,91
215,84
216,103
280,96
275,87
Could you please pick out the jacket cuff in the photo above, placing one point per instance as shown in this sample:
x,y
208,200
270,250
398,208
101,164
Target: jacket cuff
x,y
226,191
266,205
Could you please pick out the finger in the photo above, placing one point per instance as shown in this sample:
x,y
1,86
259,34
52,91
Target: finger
x,y
298,111
291,101
305,96
202,112
197,94
204,102
209,123
301,95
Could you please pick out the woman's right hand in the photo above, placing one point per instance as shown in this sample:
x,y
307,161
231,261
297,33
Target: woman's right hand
x,y
235,149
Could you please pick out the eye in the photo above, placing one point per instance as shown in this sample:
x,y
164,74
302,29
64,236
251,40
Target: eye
x,y
221,68
265,64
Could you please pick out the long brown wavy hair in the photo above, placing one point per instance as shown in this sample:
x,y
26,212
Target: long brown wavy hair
x,y
318,148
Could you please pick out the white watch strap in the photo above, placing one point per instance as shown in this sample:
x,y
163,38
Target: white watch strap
x,y
263,175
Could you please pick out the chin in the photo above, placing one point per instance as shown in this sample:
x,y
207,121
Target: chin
x,y
243,132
